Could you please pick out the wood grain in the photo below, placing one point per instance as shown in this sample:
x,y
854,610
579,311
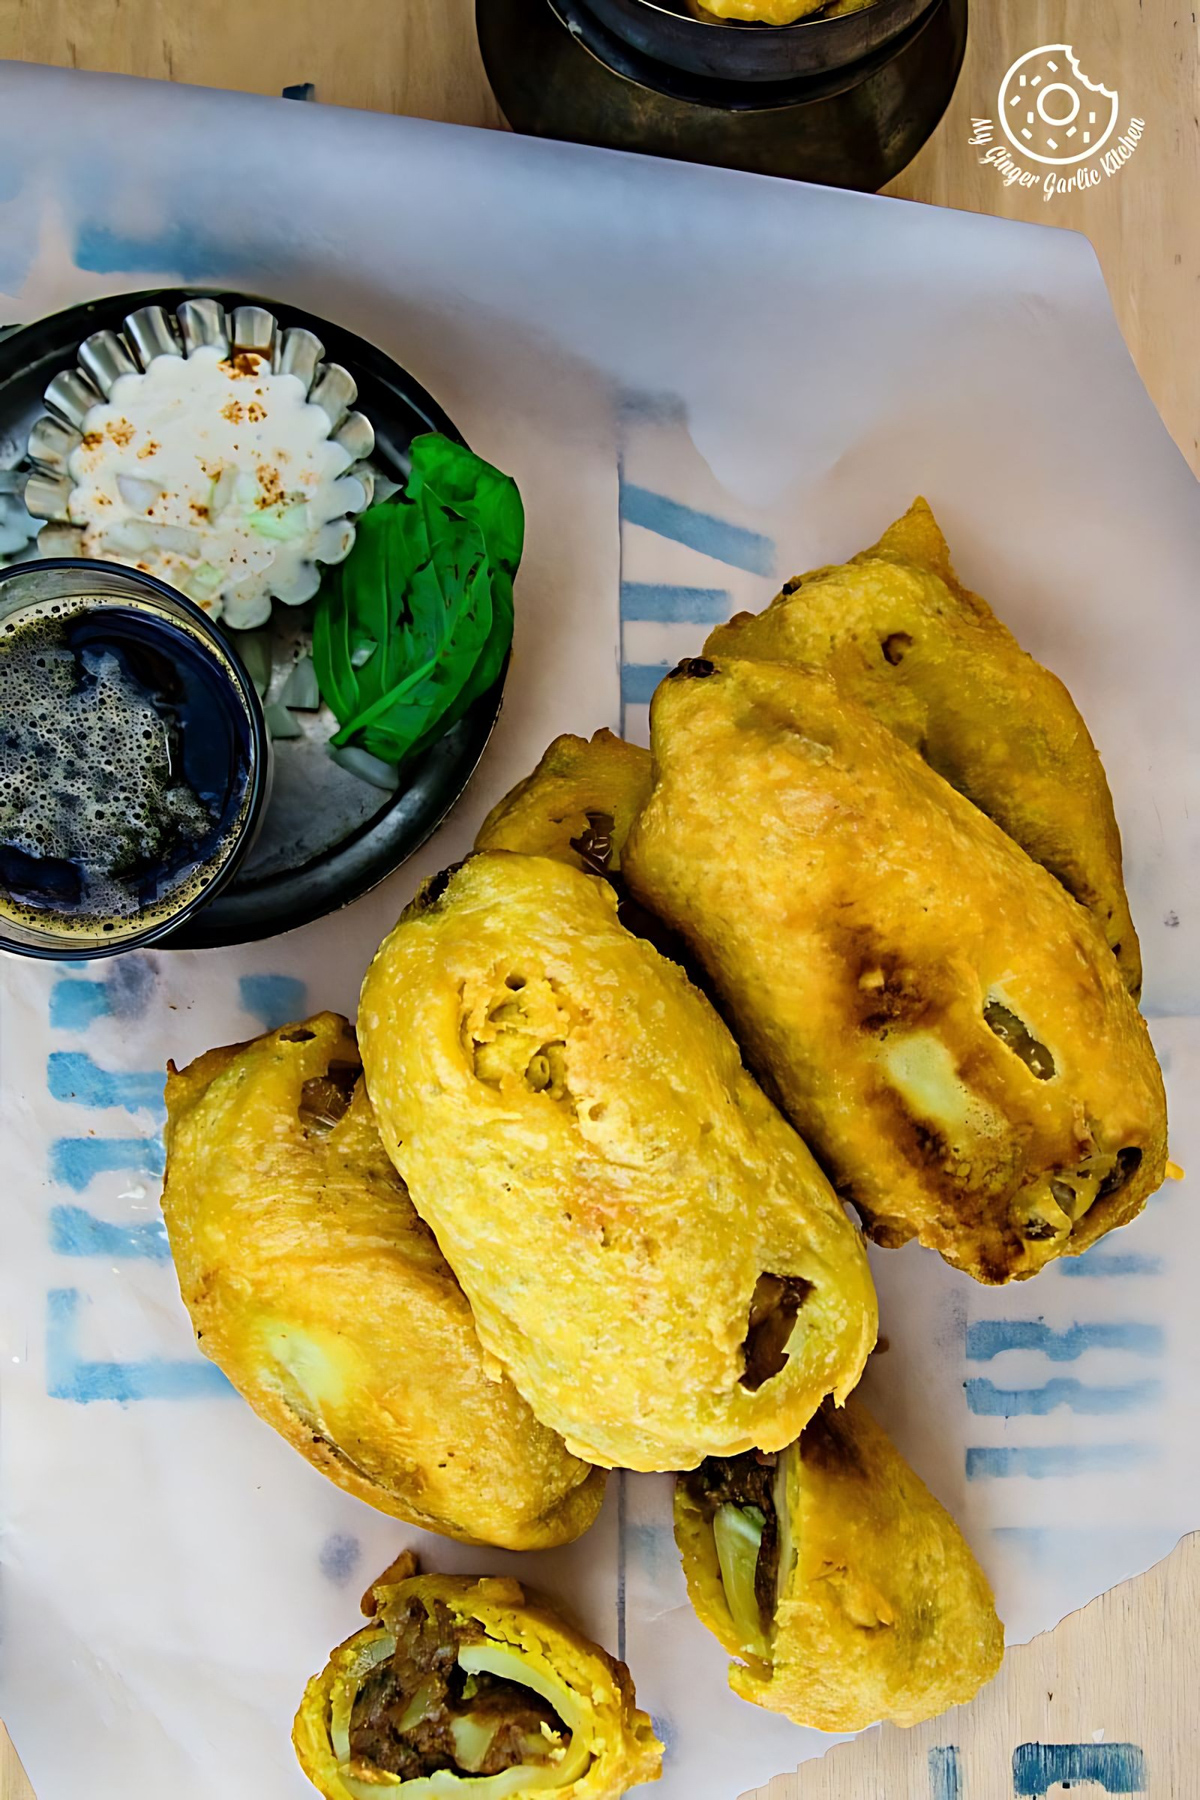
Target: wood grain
x,y
14,1783
407,56
1124,1671
1145,220
420,57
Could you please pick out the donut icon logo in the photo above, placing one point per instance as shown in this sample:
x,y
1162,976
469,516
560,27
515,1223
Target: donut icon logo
x,y
1051,112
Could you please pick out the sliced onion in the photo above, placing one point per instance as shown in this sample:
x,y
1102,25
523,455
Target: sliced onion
x,y
137,492
128,537
498,1659
182,539
424,1704
345,1688
367,767
222,491
472,1740
300,690
254,649
280,723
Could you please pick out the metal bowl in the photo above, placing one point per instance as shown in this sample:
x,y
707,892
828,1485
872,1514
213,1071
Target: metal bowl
x,y
326,836
149,334
732,50
30,585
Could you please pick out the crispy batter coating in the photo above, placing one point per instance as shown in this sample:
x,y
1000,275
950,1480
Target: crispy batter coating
x,y
466,1652
577,806
649,1248
942,1022
930,659
314,1285
880,1609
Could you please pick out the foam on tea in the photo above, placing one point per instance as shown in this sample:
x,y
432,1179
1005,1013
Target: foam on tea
x,y
124,772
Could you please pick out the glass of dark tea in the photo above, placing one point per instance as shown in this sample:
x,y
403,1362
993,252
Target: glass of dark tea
x,y
134,760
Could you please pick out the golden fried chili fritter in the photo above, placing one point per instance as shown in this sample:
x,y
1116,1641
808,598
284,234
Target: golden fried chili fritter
x,y
942,1022
578,804
314,1285
467,1686
650,1250
831,1571
929,659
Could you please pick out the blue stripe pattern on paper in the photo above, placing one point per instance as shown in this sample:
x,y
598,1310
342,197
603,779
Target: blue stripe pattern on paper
x,y
68,1377
74,1004
665,603
985,1398
75,1162
72,1076
990,1337
273,1000
945,1775
76,1232
177,249
639,680
124,994
1117,1768
1101,1264
702,531
1048,1547
1041,1461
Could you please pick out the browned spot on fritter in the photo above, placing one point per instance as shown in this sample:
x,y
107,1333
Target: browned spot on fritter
x,y
431,891
828,1443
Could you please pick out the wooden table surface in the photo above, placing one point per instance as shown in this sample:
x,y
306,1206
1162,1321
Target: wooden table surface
x,y
1107,1703
420,57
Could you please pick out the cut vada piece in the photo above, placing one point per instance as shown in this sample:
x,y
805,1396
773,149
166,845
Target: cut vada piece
x,y
941,1021
313,1284
468,1689
929,659
577,806
845,1590
649,1249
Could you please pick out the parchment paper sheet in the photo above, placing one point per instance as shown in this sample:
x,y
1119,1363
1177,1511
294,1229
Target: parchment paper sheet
x,y
703,382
